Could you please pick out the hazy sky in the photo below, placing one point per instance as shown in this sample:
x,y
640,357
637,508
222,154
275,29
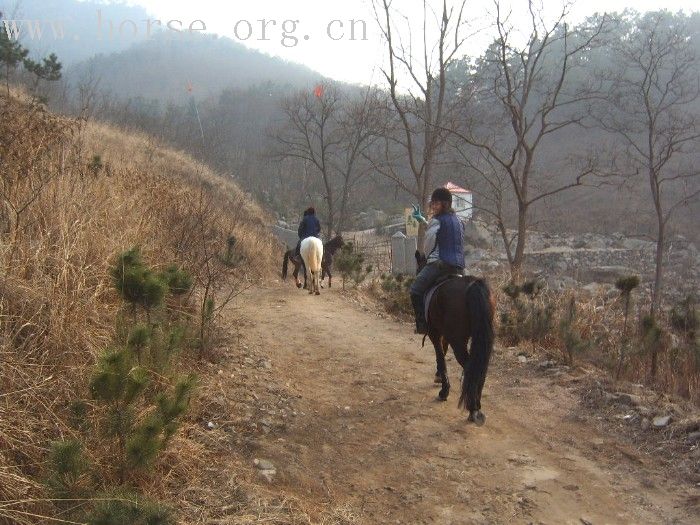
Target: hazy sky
x,y
318,39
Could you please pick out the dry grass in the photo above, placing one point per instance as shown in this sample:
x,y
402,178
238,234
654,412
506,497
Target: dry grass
x,y
600,323
63,218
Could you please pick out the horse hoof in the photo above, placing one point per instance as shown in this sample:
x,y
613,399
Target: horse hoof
x,y
442,396
298,285
318,293
477,417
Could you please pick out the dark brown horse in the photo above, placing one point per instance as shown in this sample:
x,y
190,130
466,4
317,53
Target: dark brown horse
x,y
460,309
329,250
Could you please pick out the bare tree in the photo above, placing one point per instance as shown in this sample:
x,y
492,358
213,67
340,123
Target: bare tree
x,y
654,90
331,132
516,97
310,133
422,106
360,125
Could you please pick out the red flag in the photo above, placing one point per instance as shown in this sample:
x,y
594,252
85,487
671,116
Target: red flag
x,y
318,91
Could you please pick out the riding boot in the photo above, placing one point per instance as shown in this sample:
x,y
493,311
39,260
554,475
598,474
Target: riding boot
x,y
421,325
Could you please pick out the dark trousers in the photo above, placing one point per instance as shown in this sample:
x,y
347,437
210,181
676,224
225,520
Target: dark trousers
x,y
429,274
422,283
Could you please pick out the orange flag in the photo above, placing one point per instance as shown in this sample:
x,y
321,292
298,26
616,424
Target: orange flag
x,y
318,91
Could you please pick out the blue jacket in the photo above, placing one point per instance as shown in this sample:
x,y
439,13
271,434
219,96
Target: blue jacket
x,y
444,240
309,227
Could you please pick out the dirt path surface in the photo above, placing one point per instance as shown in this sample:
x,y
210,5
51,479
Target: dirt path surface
x,y
368,433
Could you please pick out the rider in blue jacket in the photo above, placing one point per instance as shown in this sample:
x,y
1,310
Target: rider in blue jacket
x,y
308,227
443,248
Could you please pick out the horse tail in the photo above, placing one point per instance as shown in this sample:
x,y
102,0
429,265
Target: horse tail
x,y
480,312
285,264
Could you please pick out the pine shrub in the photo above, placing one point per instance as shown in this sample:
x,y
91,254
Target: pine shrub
x,y
131,509
350,264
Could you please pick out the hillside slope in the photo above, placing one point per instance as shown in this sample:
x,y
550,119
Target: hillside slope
x,y
74,195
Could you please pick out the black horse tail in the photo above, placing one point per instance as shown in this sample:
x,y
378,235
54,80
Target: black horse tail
x,y
285,264
479,310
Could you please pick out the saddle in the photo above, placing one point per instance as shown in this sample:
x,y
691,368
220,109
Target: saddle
x,y
431,291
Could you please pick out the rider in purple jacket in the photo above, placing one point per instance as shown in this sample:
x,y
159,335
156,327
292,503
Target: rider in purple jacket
x,y
443,248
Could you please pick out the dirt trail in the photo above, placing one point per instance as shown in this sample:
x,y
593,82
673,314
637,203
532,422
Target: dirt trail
x,y
368,432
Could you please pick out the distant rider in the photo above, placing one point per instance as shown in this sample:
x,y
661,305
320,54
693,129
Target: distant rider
x,y
308,227
443,248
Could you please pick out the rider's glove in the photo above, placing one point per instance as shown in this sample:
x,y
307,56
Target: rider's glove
x,y
418,215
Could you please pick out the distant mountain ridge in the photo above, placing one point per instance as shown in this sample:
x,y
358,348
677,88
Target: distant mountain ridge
x,y
163,67
70,28
123,47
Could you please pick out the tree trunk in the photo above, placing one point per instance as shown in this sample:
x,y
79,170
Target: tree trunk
x,y
658,281
330,221
519,255
423,203
342,218
659,262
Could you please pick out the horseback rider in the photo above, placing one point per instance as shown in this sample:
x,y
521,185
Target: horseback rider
x,y
443,247
308,227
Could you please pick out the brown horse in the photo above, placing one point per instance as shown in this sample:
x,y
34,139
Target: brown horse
x,y
460,309
329,250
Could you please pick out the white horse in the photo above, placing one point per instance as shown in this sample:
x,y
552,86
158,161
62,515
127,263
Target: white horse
x,y
312,253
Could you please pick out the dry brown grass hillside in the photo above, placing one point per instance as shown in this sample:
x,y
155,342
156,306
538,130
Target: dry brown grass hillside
x,y
74,194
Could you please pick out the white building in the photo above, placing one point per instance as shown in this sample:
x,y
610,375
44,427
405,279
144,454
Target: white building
x,y
462,201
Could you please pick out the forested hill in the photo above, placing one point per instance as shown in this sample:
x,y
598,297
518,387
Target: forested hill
x,y
163,66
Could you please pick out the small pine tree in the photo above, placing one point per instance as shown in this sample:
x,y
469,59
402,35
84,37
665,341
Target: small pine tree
x,y
512,290
570,335
625,285
532,288
95,165
118,384
133,509
12,53
350,264
231,259
66,467
651,341
139,339
78,415
49,69
178,280
685,317
154,432
137,284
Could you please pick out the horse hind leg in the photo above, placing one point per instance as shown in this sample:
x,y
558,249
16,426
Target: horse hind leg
x,y
470,396
440,346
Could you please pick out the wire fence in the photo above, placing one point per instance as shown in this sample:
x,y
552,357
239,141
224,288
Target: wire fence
x,y
377,251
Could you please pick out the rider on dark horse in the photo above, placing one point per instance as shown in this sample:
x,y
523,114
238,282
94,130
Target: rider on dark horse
x,y
443,248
